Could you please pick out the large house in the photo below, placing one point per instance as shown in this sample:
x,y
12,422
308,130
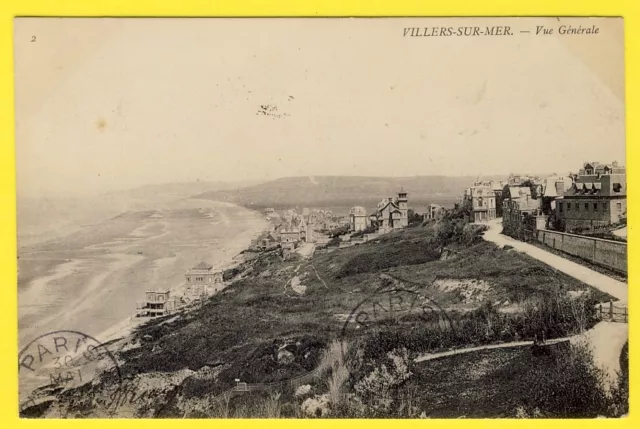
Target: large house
x,y
200,277
481,199
358,219
391,213
157,303
597,197
519,210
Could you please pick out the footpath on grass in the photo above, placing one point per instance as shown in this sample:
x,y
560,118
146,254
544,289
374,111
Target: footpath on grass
x,y
593,278
606,338
431,356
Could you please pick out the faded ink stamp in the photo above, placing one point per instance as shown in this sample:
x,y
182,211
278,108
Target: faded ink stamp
x,y
60,360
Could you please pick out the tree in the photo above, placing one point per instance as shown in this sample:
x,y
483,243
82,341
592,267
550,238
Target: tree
x,y
414,218
532,186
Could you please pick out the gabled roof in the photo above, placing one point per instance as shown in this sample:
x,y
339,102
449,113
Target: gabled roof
x,y
203,266
519,191
382,207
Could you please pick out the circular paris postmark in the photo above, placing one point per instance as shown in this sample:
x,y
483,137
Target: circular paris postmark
x,y
395,301
59,360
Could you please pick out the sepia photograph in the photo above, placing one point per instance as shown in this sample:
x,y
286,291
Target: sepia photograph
x,y
321,218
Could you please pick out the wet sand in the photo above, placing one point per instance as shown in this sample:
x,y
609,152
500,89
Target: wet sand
x,y
90,281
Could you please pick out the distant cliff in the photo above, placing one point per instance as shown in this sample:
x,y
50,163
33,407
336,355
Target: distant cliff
x,y
338,192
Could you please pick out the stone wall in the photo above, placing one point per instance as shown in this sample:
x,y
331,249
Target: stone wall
x,y
611,254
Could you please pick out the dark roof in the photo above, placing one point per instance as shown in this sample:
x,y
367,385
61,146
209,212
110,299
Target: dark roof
x,y
203,266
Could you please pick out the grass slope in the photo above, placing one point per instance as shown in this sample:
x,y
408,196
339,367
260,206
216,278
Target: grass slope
x,y
243,327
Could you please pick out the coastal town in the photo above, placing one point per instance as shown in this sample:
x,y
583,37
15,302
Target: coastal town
x,y
580,214
313,225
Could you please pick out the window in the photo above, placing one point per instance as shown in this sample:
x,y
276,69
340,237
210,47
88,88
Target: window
x,y
619,206
568,207
617,187
595,207
188,279
560,207
577,207
586,207
604,206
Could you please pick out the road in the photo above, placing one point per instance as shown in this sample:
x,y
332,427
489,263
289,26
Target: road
x,y
593,278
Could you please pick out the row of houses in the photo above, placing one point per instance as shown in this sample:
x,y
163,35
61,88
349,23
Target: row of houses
x,y
593,198
295,229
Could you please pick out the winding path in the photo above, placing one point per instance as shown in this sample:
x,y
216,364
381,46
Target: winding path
x,y
606,338
595,279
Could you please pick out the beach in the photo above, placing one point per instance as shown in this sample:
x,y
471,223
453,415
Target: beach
x,y
90,280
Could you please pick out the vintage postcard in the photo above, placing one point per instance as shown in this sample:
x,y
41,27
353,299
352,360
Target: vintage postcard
x,y
321,218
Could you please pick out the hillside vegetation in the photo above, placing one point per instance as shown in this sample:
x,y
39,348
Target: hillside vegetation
x,y
261,329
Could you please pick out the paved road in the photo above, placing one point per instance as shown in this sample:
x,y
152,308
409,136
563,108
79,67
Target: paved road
x,y
600,281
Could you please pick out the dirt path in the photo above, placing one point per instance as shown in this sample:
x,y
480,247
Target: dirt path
x,y
622,232
431,356
599,281
607,340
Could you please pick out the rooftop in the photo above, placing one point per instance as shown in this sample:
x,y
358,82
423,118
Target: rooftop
x,y
203,266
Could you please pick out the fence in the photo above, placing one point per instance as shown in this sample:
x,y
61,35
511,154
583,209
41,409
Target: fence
x,y
613,313
607,253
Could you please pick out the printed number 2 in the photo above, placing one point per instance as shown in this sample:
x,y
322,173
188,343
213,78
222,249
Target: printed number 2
x,y
33,38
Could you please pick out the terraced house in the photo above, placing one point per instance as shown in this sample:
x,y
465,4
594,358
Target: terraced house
x,y
597,198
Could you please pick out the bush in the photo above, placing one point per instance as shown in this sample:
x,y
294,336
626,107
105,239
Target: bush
x,y
368,230
573,388
334,242
337,232
230,274
379,366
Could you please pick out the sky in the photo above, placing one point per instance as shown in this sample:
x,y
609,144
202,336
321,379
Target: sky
x,y
107,104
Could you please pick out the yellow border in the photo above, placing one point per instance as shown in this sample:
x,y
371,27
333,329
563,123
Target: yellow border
x,y
629,9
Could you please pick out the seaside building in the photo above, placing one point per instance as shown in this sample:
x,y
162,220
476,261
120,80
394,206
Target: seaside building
x,y
597,198
481,200
358,219
200,277
391,213
156,304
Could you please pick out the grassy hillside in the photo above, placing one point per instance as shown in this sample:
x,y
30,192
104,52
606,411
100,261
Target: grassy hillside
x,y
486,294
343,192
241,326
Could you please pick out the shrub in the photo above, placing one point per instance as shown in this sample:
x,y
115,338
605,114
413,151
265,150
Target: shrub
x,y
573,388
379,377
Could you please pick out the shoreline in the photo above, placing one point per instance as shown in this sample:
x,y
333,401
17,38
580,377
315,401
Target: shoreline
x,y
125,327
155,270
